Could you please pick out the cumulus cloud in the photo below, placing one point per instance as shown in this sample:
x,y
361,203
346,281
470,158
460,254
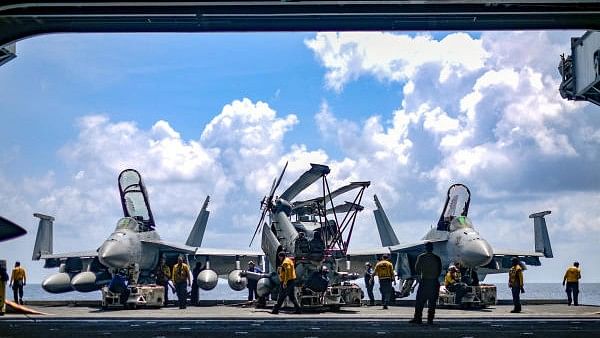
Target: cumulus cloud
x,y
488,102
394,57
249,139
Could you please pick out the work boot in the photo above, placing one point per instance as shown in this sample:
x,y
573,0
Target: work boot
x,y
275,312
415,321
515,311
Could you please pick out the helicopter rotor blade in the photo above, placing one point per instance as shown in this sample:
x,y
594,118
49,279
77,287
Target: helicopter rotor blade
x,y
262,217
315,172
276,183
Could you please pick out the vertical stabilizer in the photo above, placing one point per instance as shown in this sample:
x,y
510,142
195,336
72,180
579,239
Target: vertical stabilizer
x,y
542,240
43,240
386,233
197,233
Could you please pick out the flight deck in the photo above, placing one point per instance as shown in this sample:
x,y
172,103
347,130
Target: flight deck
x,y
237,320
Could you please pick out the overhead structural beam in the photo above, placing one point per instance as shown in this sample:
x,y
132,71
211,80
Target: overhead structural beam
x,y
19,19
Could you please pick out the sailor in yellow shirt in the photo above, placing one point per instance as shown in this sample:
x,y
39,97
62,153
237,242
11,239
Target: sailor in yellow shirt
x,y
18,279
515,283
181,278
385,273
287,279
163,275
453,283
572,277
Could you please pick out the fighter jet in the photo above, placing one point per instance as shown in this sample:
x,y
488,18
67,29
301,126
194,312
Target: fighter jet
x,y
329,235
134,245
456,240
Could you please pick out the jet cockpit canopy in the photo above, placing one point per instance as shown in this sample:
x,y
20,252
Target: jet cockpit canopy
x,y
134,198
460,222
457,204
127,223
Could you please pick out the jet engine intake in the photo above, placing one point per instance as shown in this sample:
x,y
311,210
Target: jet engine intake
x,y
57,283
236,280
207,279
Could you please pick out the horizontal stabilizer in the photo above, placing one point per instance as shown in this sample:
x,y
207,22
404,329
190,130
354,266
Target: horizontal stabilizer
x,y
197,233
309,177
386,232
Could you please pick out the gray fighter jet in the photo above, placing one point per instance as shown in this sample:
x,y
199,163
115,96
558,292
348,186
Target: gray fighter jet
x,y
456,240
134,245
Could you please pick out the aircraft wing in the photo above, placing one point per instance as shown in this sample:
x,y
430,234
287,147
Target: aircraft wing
x,y
72,260
171,247
78,254
502,259
403,256
358,258
222,261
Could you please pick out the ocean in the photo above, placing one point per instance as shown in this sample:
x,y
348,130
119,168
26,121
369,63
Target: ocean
x,y
589,293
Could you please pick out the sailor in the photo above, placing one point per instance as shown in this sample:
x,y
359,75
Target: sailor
x,y
515,283
181,278
453,283
287,279
572,277
195,294
370,282
428,268
385,272
163,275
3,280
301,247
252,283
318,280
18,279
317,246
118,284
467,276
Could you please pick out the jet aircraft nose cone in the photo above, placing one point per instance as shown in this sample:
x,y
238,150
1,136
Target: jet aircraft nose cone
x,y
114,254
477,253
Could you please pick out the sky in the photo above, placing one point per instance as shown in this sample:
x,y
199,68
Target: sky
x,y
220,114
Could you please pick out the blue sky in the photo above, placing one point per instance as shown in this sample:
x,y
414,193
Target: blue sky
x,y
219,114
